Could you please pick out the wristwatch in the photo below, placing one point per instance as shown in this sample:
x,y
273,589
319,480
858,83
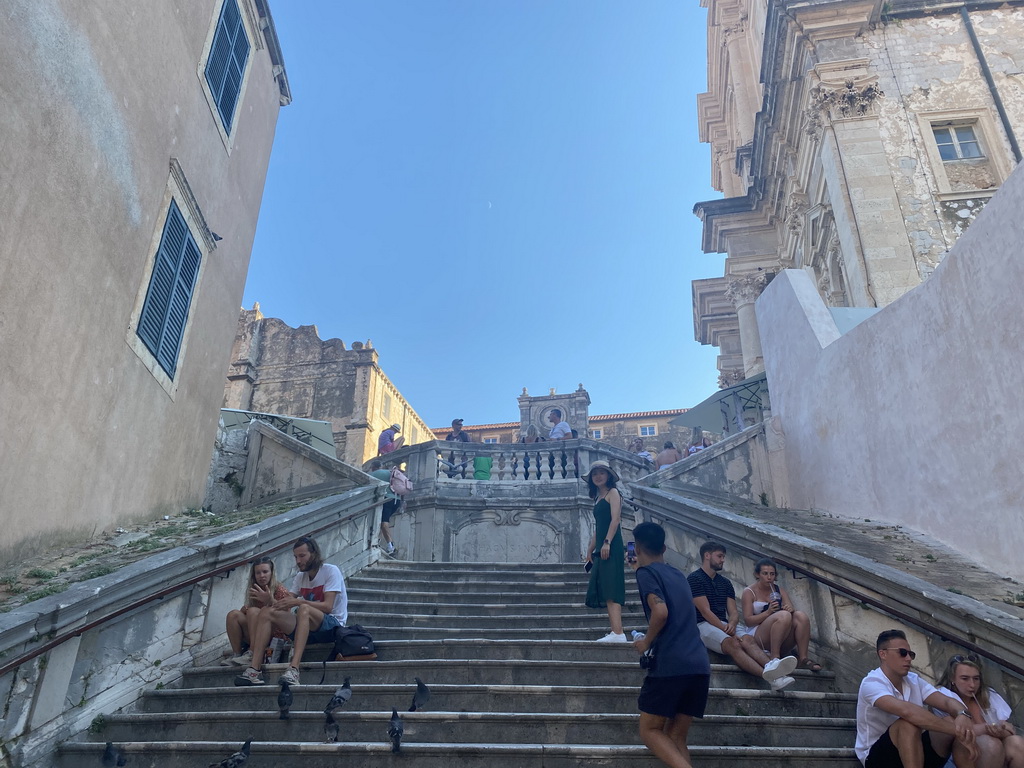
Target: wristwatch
x,y
606,541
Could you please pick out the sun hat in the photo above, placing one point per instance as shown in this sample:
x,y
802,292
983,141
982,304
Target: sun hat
x,y
396,427
606,467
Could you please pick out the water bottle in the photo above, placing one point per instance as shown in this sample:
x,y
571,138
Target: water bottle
x,y
775,596
636,635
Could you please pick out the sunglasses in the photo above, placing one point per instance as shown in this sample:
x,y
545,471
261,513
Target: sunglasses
x,y
958,659
903,652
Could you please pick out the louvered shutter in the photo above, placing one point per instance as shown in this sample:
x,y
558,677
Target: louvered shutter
x,y
165,311
226,62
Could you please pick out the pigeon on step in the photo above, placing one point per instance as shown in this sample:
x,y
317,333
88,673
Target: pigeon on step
x,y
340,697
237,760
284,700
421,697
330,728
395,731
113,756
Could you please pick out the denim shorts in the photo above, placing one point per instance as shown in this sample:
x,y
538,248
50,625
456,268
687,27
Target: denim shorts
x,y
324,633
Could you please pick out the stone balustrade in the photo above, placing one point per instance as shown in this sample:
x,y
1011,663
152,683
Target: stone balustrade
x,y
444,462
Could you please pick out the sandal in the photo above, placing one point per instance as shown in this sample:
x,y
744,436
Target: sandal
x,y
809,664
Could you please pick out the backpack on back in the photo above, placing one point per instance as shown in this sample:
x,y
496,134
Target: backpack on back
x,y
400,484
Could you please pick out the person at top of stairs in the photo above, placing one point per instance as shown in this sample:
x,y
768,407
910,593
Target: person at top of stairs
x,y
607,587
718,620
678,673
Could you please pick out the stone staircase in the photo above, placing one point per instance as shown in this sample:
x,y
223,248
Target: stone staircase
x,y
516,679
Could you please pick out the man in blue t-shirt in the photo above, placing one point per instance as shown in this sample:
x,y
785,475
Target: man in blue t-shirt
x,y
676,687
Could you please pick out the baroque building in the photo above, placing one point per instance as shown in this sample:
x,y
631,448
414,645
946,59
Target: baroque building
x,y
134,144
852,139
289,371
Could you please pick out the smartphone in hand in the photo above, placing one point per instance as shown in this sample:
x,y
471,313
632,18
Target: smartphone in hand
x,y
630,552
588,566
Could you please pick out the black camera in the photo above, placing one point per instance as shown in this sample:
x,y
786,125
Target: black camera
x,y
647,660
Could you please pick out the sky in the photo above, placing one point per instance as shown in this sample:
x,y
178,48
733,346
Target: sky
x,y
498,194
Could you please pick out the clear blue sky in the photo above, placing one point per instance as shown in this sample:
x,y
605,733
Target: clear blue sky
x,y
498,193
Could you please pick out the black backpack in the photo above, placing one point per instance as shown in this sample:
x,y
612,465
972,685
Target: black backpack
x,y
351,641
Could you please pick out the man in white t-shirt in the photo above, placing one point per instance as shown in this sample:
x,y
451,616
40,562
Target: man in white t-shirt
x,y
895,728
317,606
560,430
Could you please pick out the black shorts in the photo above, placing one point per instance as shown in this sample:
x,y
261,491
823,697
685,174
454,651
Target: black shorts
x,y
884,754
389,508
671,696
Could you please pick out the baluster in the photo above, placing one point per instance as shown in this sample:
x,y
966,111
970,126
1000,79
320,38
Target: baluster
x,y
502,468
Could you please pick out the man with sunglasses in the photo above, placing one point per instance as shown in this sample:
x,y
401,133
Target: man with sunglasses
x,y
895,728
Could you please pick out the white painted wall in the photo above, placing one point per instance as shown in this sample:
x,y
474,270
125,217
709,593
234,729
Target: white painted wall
x,y
914,416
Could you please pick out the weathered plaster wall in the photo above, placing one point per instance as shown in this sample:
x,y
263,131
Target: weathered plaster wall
x,y
97,100
881,420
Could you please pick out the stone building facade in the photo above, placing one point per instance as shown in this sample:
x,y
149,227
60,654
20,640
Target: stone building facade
x,y
852,139
290,371
131,133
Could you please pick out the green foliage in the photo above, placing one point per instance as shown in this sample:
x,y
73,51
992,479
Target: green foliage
x,y
102,570
98,724
40,573
764,499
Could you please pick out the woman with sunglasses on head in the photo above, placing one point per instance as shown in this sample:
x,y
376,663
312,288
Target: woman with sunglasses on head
x,y
769,616
999,745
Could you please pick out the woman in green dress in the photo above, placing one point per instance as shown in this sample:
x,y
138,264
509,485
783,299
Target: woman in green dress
x,y
607,588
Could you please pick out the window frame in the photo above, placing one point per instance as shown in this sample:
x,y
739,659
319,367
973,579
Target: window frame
x,y
955,143
641,427
247,27
490,440
596,434
178,195
990,141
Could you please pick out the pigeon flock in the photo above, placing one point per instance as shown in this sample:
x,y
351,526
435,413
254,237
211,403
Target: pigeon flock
x,y
114,756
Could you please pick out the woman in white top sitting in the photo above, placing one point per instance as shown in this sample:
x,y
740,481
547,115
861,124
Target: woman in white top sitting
x,y
769,616
999,745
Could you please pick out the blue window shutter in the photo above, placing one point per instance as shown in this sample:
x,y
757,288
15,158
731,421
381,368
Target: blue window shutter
x,y
165,311
226,62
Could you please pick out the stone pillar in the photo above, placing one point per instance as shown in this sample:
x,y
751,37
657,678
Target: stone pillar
x,y
743,291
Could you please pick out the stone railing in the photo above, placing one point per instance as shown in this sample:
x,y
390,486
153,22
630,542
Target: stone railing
x,y
849,598
68,659
529,506
443,462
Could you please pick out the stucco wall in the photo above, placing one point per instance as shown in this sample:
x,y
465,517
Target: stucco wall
x,y
97,100
912,416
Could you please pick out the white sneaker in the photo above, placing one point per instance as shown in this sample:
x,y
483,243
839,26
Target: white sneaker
x,y
613,637
781,682
777,668
391,547
290,676
242,659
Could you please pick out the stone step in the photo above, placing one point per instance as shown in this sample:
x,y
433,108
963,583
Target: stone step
x,y
475,586
288,754
495,672
567,599
535,649
440,569
368,605
533,622
475,727
594,699
393,570
591,633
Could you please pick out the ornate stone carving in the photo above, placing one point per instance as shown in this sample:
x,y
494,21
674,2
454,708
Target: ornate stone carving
x,y
795,212
729,378
745,289
851,98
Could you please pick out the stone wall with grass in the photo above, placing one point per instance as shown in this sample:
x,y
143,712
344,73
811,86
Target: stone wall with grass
x,y
96,667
